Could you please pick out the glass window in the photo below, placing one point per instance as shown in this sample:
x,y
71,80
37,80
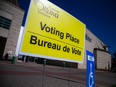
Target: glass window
x,y
5,23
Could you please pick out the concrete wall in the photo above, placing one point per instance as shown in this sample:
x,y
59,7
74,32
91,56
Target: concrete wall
x,y
103,60
15,14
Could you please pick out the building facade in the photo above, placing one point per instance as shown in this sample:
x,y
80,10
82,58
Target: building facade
x,y
100,51
11,17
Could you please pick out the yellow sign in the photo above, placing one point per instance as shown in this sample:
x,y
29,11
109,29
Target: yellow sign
x,y
52,33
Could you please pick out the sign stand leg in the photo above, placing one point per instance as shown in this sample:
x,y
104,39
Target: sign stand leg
x,y
44,64
69,74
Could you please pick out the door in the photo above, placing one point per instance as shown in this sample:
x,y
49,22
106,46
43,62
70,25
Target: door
x,y
2,46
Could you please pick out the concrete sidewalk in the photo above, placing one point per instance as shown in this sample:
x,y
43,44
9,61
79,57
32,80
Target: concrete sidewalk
x,y
35,75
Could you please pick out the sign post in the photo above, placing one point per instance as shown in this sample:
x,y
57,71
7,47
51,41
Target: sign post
x,y
90,74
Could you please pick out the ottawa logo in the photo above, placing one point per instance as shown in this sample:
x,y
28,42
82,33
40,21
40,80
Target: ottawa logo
x,y
40,5
46,10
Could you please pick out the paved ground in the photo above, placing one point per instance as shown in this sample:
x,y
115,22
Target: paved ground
x,y
35,75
